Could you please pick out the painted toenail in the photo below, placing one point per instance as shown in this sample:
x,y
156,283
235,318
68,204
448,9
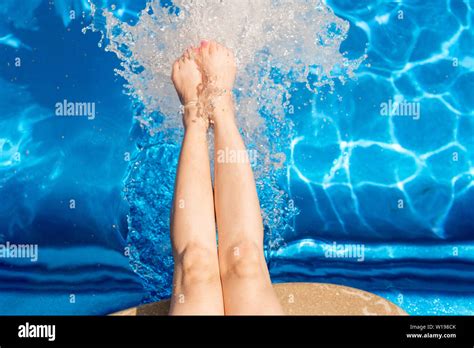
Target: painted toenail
x,y
204,43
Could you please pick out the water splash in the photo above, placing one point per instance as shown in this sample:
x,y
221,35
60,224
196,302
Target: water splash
x,y
267,36
280,46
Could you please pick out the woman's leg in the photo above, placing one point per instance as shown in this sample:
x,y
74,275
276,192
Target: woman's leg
x,y
245,278
196,280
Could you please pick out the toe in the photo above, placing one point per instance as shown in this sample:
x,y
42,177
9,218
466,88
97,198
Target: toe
x,y
212,47
176,66
204,46
186,54
190,53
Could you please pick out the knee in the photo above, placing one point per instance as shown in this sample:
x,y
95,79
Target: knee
x,y
198,264
242,260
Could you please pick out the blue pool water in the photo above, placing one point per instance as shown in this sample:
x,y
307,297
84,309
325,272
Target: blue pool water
x,y
401,187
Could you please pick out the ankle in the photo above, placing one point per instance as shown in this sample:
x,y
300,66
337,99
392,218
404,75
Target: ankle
x,y
225,98
193,121
223,109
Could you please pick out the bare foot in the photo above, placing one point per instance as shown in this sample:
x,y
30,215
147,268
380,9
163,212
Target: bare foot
x,y
186,77
218,65
187,80
219,70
